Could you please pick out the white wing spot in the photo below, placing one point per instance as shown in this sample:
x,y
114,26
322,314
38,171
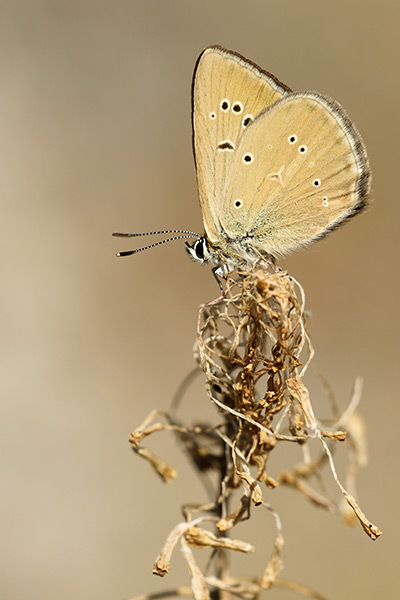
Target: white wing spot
x,y
237,107
225,104
311,164
213,115
303,149
277,176
248,158
292,138
247,120
316,182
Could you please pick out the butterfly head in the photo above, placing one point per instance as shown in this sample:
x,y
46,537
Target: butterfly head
x,y
199,251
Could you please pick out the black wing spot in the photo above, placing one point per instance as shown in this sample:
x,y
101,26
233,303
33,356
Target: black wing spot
x,y
226,145
237,107
225,105
247,120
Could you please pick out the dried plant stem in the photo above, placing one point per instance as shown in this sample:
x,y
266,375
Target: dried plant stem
x,y
253,349
176,592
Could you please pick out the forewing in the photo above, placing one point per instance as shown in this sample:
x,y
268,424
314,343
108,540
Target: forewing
x,y
228,93
299,170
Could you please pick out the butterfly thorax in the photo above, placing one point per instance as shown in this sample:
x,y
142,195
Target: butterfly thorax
x,y
240,254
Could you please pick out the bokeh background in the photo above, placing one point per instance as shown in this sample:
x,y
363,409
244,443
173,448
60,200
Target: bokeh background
x,y
95,137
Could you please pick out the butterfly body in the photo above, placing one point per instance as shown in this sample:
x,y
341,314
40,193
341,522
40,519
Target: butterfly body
x,y
276,169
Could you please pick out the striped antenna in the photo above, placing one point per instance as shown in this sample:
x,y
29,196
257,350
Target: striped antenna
x,y
187,234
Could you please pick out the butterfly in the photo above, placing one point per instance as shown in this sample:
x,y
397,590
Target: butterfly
x,y
276,169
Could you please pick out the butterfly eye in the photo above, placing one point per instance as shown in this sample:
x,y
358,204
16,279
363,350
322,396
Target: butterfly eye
x,y
303,149
225,104
199,249
248,158
247,120
316,182
292,139
237,107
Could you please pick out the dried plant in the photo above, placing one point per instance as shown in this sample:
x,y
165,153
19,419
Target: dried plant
x,y
253,349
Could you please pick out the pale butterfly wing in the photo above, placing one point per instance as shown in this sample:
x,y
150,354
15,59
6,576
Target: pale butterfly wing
x,y
298,171
228,93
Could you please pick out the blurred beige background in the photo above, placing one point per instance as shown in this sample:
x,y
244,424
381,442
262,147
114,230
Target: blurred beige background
x,y
95,137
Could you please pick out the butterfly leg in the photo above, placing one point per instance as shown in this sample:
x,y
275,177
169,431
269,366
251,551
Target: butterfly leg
x,y
216,271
